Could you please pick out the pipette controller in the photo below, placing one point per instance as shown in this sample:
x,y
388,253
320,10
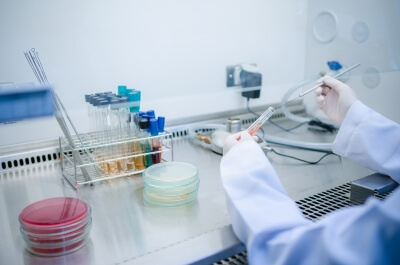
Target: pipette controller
x,y
260,121
320,84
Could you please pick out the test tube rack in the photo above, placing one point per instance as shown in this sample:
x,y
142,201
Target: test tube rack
x,y
90,160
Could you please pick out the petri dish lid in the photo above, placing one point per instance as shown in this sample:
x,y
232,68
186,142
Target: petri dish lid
x,y
52,212
170,174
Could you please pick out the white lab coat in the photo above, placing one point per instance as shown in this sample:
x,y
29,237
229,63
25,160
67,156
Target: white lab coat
x,y
275,231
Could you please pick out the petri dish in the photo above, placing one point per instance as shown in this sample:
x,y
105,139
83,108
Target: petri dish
x,y
45,239
169,200
170,174
170,183
55,226
54,215
51,250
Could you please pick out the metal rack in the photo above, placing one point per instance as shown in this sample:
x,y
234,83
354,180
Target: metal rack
x,y
88,160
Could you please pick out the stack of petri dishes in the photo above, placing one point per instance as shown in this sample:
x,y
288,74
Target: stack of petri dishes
x,y
170,183
55,226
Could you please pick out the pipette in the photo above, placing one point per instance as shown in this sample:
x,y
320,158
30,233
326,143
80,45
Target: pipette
x,y
268,113
320,84
260,121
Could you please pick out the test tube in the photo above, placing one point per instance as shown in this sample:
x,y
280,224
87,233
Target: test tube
x,y
146,145
112,135
102,131
253,128
155,142
123,113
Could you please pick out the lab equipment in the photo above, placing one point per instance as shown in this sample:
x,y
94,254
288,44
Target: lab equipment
x,y
318,85
116,148
55,226
260,121
362,189
170,183
233,125
32,57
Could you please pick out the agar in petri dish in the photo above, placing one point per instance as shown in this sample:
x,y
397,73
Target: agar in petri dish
x,y
54,211
170,183
55,226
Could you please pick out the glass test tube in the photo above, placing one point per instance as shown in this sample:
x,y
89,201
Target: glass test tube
x,y
102,129
260,121
123,114
155,142
113,167
143,145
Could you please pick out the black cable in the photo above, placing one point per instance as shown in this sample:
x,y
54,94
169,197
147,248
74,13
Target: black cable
x,y
302,160
290,129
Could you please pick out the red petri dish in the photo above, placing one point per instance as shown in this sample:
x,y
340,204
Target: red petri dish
x,y
58,249
54,215
41,239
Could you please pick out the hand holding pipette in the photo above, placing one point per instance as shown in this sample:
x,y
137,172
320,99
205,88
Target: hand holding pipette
x,y
334,98
320,84
270,111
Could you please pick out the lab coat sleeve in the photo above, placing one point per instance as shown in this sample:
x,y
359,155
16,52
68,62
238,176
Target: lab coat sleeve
x,y
371,140
275,232
258,205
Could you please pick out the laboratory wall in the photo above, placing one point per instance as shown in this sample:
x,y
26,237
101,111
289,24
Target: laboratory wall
x,y
175,52
351,32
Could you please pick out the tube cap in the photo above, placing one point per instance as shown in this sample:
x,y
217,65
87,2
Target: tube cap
x,y
143,124
87,97
153,127
151,113
121,90
161,123
134,98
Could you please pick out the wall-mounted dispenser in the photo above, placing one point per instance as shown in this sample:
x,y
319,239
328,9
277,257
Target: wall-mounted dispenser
x,y
247,76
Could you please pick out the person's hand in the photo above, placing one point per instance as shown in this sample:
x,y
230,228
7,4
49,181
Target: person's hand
x,y
236,138
334,98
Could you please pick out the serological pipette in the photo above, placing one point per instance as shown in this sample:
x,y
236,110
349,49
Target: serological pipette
x,y
270,111
319,84
260,121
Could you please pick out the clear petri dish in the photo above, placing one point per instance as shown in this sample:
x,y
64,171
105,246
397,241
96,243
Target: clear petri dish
x,y
170,183
173,190
170,174
177,200
55,215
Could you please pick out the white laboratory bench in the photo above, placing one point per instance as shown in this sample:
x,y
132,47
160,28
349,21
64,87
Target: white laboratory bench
x,y
127,230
